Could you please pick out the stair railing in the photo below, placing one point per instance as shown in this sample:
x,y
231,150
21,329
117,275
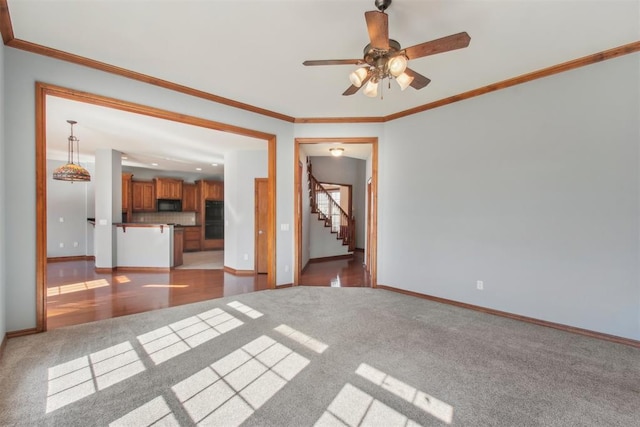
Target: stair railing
x,y
331,213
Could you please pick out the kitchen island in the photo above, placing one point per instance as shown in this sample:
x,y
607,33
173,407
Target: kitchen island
x,y
150,246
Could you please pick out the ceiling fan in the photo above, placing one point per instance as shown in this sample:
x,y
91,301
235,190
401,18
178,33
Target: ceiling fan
x,y
384,58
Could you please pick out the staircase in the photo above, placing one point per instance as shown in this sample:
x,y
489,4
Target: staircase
x,y
330,212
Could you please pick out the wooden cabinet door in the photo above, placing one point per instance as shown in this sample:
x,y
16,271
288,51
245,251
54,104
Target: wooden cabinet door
x,y
126,191
213,190
189,198
168,188
143,199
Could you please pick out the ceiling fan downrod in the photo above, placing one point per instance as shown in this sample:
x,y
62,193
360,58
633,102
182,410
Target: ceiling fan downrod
x,y
382,5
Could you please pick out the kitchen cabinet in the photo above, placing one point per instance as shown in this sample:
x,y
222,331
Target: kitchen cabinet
x,y
192,238
213,190
178,246
126,191
143,196
168,188
190,198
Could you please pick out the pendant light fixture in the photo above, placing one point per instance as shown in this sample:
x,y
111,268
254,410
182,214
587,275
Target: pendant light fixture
x,y
72,171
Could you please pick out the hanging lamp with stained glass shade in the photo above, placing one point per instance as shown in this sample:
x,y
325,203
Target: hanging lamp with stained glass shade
x,y
72,171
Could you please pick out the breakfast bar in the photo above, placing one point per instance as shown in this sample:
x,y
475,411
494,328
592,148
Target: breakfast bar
x,y
148,245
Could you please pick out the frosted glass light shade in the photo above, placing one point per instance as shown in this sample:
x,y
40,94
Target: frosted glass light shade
x,y
358,76
371,89
336,152
397,65
404,80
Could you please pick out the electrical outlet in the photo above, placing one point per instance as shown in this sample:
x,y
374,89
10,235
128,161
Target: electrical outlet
x,y
286,268
246,257
61,245
480,285
61,219
75,244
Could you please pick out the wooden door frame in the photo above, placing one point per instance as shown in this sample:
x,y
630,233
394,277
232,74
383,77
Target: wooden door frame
x,y
369,215
43,90
373,231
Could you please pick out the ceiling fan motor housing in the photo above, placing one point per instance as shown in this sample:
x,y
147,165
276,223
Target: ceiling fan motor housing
x,y
382,5
377,59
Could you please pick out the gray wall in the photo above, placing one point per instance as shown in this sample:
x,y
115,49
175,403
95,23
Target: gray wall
x,y
240,171
4,180
73,203
346,170
22,71
532,189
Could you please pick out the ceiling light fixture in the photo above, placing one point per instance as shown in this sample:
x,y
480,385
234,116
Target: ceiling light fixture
x,y
336,152
72,171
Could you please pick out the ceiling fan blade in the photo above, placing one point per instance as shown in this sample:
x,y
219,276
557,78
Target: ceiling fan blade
x,y
334,62
419,81
353,88
378,27
445,44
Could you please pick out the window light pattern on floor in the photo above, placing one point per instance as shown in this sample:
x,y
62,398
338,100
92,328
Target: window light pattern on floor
x,y
254,314
230,390
354,408
307,341
170,341
156,413
76,287
73,380
439,409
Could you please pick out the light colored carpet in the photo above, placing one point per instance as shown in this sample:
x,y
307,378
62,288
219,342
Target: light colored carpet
x,y
203,260
317,356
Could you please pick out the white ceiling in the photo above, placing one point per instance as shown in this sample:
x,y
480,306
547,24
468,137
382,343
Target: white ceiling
x,y
252,51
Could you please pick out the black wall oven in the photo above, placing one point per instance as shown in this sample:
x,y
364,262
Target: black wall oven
x,y
214,219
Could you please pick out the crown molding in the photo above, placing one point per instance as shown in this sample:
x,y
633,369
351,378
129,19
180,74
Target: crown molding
x,y
544,72
5,23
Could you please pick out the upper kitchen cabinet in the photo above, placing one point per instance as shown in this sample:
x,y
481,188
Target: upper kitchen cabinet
x,y
190,198
143,196
168,188
212,190
126,191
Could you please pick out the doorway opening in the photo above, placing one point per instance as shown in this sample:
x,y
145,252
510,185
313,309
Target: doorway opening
x,y
45,90
365,253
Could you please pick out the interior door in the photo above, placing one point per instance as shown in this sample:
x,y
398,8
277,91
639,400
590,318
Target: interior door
x,y
261,220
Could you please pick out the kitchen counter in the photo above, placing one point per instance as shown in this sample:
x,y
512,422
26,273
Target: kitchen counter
x,y
142,245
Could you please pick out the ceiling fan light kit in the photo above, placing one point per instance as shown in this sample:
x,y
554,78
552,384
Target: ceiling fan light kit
x,y
385,59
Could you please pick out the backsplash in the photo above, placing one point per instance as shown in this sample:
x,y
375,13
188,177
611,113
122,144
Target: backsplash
x,y
182,218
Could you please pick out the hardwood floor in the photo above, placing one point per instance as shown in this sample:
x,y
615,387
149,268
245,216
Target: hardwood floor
x,y
77,294
338,273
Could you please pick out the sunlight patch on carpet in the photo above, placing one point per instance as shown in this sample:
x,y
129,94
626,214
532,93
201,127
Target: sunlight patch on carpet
x,y
353,407
301,338
244,309
155,412
78,378
230,390
439,409
179,337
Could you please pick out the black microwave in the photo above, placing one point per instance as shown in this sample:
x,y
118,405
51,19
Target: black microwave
x,y
166,205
